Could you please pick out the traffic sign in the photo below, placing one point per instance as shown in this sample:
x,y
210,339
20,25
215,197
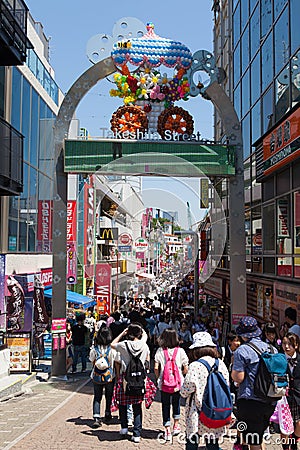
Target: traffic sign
x,y
125,239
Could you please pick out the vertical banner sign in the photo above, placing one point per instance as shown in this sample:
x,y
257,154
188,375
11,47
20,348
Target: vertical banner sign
x,y
71,242
15,305
40,317
46,277
89,229
204,193
103,288
44,226
2,293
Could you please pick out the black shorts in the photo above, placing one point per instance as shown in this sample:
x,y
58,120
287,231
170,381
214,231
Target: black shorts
x,y
255,416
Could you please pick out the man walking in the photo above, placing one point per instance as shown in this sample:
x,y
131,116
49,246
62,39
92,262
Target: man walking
x,y
79,334
252,411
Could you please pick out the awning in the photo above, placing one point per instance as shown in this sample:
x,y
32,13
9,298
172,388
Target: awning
x,y
150,276
73,297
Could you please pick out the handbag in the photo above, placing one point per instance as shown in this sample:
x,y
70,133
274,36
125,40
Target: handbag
x,y
285,418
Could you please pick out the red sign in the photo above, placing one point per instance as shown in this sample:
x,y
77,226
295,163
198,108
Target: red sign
x,y
281,145
71,242
125,239
46,277
103,288
44,225
89,229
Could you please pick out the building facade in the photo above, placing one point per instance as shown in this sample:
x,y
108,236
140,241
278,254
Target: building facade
x,y
257,42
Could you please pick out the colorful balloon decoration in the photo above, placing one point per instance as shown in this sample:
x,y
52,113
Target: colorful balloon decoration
x,y
149,90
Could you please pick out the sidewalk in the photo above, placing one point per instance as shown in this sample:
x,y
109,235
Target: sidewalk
x,y
58,416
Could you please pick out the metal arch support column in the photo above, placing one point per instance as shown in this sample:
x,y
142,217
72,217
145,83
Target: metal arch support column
x,y
205,61
61,128
238,291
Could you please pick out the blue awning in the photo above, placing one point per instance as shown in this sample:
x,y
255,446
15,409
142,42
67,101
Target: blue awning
x,y
73,297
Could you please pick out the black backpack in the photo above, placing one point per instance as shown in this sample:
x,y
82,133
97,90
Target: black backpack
x,y
135,375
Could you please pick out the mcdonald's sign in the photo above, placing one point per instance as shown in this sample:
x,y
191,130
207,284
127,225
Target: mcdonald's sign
x,y
108,234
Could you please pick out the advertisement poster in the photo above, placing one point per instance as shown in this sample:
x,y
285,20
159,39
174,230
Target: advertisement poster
x,y
71,242
59,325
40,316
2,293
103,288
15,305
260,301
19,346
88,256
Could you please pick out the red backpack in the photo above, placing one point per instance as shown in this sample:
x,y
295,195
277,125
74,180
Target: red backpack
x,y
171,379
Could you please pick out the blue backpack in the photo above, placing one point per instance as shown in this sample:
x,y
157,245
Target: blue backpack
x,y
217,401
271,380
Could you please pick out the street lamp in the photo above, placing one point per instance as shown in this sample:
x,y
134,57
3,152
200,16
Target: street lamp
x,y
196,267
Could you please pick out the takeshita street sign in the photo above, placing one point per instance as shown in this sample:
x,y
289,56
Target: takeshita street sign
x,y
118,156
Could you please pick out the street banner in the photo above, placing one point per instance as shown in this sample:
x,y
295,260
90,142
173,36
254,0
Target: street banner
x,y
88,255
44,226
103,288
71,242
15,305
46,277
2,293
40,317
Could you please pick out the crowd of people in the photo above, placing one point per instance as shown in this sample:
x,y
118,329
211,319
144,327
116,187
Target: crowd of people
x,y
150,338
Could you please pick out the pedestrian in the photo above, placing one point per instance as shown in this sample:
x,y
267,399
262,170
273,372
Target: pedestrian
x,y
291,348
244,370
193,390
270,335
102,353
80,335
134,344
184,335
69,350
169,350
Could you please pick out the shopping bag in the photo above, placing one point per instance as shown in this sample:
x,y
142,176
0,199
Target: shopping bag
x,y
285,417
274,417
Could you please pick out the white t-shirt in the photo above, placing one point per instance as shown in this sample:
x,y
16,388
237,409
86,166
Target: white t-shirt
x,y
112,357
181,360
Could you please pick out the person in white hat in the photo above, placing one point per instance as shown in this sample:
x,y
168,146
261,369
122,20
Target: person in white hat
x,y
193,389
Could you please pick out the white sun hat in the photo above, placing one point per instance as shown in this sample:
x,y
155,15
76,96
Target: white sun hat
x,y
202,339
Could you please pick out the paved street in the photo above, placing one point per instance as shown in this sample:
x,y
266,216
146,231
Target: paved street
x,y
57,416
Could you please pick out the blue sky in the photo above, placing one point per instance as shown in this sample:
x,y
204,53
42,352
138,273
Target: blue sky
x,y
72,23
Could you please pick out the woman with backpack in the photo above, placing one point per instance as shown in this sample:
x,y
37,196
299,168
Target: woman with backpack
x,y
130,388
171,363
193,389
103,359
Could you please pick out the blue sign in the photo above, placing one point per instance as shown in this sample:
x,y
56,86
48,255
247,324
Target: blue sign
x,y
124,248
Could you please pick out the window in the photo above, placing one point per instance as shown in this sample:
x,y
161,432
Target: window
x,y
283,182
267,62
236,25
267,106
16,99
269,265
26,117
255,79
34,127
278,7
256,122
237,65
282,44
295,66
268,189
295,28
245,49
282,93
246,135
237,100
254,32
266,16
245,93
284,234
268,227
244,13
2,91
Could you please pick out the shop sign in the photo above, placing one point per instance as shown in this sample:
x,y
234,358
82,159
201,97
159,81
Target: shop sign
x,y
71,242
46,277
125,248
89,229
282,145
125,239
103,288
2,292
19,346
44,225
214,285
204,192
141,244
59,325
287,294
108,234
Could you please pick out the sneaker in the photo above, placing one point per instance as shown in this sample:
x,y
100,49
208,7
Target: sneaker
x,y
83,370
130,423
97,423
136,439
176,430
168,436
123,431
